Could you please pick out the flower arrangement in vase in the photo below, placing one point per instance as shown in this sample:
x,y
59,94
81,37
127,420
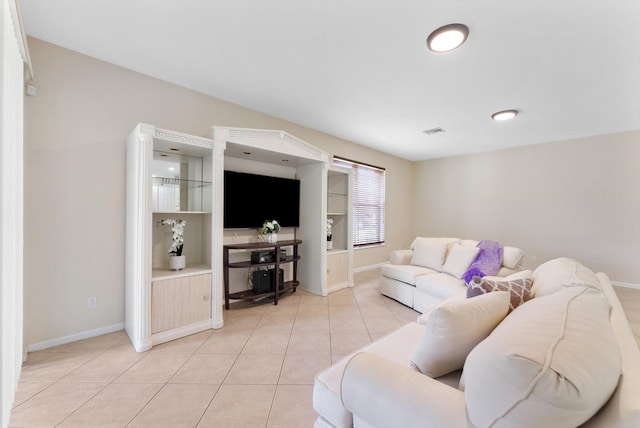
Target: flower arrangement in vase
x,y
176,260
271,229
329,234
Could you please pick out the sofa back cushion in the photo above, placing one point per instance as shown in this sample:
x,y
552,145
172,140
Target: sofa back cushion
x,y
459,260
560,273
552,362
511,257
453,329
429,254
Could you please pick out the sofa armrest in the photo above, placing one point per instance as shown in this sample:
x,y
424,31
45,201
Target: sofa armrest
x,y
401,257
386,394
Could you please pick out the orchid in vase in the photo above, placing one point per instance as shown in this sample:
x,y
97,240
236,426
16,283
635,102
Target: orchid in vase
x,y
271,228
177,230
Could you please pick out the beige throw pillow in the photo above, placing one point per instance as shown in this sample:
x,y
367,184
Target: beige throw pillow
x,y
429,254
453,329
459,260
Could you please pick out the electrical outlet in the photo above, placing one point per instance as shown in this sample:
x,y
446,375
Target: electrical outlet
x,y
534,258
92,302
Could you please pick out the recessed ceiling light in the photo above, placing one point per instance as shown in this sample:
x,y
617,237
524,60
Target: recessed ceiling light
x,y
504,115
171,168
447,38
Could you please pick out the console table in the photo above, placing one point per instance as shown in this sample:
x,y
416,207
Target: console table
x,y
249,294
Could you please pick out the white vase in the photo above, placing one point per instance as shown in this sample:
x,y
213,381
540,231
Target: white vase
x,y
329,245
177,262
272,238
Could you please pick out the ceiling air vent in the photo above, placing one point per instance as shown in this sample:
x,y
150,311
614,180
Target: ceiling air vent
x,y
433,131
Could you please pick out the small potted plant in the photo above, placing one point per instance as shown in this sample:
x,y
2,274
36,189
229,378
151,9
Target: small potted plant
x,y
329,235
176,260
271,229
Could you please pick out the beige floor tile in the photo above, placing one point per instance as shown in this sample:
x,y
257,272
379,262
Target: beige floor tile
x,y
337,357
27,390
124,346
302,369
292,407
239,406
255,370
344,311
49,367
347,325
113,407
185,345
54,404
348,343
154,368
311,324
313,299
205,368
240,323
276,323
176,406
94,344
312,310
267,343
309,344
382,325
222,342
104,368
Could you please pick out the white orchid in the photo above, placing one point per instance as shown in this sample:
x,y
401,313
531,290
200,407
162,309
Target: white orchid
x,y
177,229
270,227
329,226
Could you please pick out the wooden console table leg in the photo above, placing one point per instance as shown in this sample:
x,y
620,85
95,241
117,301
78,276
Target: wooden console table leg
x,y
276,281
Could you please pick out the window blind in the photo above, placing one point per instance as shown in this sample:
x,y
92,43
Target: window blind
x,y
368,202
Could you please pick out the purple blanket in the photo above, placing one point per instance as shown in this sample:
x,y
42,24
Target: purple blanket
x,y
487,262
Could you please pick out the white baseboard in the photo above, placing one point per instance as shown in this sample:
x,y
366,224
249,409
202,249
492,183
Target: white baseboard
x,y
74,337
369,267
339,286
626,284
179,332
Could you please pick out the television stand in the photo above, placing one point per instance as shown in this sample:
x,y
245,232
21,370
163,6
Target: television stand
x,y
249,294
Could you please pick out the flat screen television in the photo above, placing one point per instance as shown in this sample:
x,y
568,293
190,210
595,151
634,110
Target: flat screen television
x,y
251,199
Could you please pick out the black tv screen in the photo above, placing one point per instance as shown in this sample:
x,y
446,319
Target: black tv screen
x,y
251,199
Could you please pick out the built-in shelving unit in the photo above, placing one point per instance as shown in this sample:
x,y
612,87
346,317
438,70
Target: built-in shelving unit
x,y
340,254
175,176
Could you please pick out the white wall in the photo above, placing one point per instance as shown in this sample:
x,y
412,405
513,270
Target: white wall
x,y
576,198
13,56
75,181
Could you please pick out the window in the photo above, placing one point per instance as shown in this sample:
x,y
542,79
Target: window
x,y
368,202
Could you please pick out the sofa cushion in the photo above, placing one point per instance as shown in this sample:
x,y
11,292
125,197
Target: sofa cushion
x,y
429,254
405,273
396,347
511,257
459,260
562,272
518,285
453,329
553,362
449,241
440,285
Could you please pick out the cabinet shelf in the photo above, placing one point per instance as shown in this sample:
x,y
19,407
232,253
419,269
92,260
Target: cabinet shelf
x,y
249,294
249,263
189,270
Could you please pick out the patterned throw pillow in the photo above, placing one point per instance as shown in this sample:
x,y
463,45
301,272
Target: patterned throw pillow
x,y
519,288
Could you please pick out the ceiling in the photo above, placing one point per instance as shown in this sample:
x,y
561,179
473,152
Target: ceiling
x,y
360,69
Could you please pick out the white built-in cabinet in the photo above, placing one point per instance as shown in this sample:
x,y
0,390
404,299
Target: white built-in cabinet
x,y
175,176
340,250
171,175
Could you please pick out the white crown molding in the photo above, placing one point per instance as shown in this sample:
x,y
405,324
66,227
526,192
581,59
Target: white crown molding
x,y
21,37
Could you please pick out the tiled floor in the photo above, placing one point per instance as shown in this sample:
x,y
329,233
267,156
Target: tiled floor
x,y
257,371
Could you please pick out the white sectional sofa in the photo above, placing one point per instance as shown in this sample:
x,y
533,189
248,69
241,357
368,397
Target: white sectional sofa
x,y
565,358
424,275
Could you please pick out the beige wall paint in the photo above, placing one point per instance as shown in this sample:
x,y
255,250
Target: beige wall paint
x,y
577,198
75,130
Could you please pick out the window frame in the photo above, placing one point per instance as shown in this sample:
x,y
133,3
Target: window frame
x,y
361,206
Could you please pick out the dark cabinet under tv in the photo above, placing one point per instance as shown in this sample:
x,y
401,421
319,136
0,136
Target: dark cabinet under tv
x,y
279,286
